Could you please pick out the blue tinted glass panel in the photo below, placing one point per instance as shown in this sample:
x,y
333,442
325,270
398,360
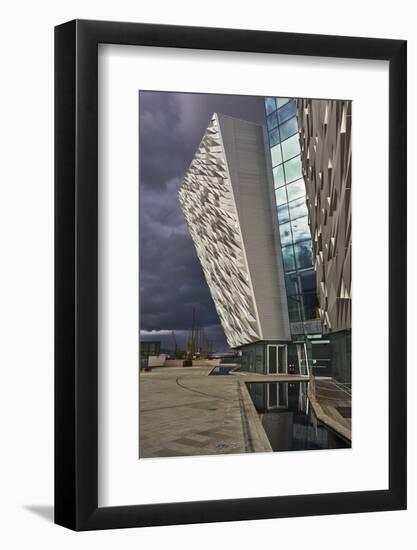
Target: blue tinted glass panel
x,y
274,137
272,121
293,169
285,232
294,309
278,173
283,215
276,156
289,128
308,280
298,208
282,101
300,229
280,196
310,304
291,283
296,190
304,257
288,258
270,105
287,111
291,147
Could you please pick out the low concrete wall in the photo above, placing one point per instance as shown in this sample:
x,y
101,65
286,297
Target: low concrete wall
x,y
196,362
206,362
157,360
173,363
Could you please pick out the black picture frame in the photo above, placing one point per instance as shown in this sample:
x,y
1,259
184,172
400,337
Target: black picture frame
x,y
76,272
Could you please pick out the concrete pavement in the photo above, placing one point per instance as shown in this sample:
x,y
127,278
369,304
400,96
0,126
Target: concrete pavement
x,y
183,411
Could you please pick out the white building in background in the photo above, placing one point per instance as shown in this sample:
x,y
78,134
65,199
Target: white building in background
x,y
228,202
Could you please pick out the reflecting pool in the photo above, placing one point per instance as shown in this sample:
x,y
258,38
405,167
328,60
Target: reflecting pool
x,y
289,420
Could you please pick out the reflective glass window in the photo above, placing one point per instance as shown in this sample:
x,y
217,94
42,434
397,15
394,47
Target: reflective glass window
x,y
310,305
293,169
280,195
298,208
289,128
276,156
291,283
308,280
285,232
282,101
278,173
296,190
270,105
287,111
272,121
295,308
283,215
304,256
291,147
300,229
274,137
288,258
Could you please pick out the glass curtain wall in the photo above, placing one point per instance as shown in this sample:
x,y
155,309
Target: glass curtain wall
x,y
290,196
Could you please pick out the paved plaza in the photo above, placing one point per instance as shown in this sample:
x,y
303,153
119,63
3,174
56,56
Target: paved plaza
x,y
186,412
183,411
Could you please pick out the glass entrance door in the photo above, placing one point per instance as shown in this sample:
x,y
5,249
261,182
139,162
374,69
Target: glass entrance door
x,y
276,359
282,359
272,359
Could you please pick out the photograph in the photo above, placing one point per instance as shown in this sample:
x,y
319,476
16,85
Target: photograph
x,y
245,274
179,368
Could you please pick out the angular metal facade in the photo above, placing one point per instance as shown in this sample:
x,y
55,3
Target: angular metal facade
x,y
325,137
226,198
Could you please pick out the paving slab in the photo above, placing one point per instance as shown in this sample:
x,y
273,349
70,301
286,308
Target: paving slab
x,y
185,412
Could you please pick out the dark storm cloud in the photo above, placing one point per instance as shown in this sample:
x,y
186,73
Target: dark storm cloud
x,y
171,279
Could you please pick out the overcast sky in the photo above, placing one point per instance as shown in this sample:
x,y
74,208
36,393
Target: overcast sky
x,y
171,279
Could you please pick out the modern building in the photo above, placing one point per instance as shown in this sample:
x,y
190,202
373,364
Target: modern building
x,y
148,348
292,213
227,200
295,233
310,154
248,207
325,138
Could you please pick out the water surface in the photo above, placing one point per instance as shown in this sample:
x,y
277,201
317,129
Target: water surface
x,y
289,420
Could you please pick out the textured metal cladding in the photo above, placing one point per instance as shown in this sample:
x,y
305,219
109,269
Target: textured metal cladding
x,y
207,201
325,127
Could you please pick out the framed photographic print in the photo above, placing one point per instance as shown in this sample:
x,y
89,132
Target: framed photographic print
x,y
230,275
